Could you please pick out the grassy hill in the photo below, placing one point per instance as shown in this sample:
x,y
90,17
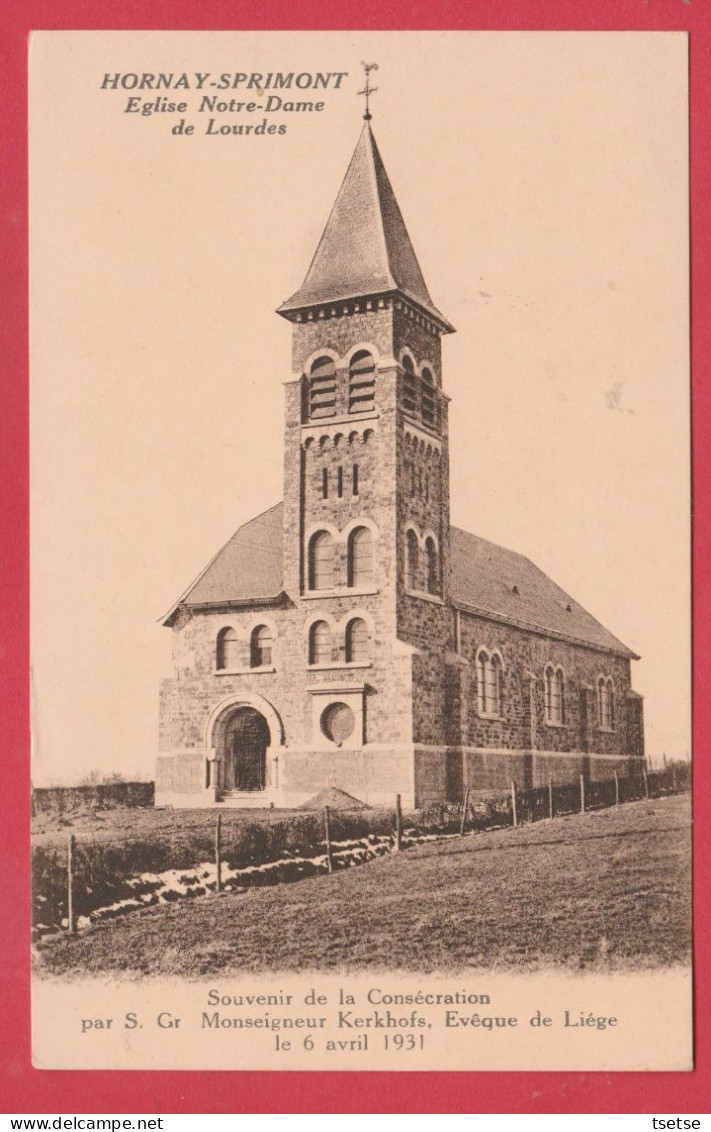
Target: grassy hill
x,y
605,890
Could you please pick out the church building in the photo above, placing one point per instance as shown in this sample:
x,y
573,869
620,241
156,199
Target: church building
x,y
350,637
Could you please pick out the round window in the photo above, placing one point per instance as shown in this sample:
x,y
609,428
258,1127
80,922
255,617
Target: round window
x,y
338,723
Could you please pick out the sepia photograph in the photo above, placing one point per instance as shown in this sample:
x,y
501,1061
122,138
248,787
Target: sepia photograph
x,y
361,612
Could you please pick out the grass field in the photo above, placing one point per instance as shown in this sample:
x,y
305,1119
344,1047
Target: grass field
x,y
119,849
606,890
147,824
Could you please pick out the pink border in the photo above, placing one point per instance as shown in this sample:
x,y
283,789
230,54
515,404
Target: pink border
x,y
27,1090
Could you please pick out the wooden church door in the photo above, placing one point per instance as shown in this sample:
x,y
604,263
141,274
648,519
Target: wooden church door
x,y
249,742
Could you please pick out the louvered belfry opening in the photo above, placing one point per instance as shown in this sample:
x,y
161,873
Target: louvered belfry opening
x,y
322,388
409,390
361,382
429,399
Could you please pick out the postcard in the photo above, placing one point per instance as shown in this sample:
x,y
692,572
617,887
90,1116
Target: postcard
x,y
361,557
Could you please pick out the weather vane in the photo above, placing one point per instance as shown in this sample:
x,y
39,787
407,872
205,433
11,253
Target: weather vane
x,y
368,89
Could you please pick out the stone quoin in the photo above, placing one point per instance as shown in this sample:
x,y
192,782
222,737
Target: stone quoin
x,y
350,637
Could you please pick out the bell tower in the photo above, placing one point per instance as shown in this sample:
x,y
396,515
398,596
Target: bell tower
x,y
366,473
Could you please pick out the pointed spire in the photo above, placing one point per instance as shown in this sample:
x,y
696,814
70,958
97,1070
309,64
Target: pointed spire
x,y
365,248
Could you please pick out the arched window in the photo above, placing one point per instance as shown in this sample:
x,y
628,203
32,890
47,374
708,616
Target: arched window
x,y
559,693
409,386
320,643
322,388
261,647
488,683
412,556
361,382
321,561
357,641
482,661
605,703
611,701
554,694
229,649
360,557
431,566
429,399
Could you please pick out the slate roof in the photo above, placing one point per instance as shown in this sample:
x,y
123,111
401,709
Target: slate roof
x,y
365,248
483,579
249,569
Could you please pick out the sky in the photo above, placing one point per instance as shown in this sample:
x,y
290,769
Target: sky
x,y
543,181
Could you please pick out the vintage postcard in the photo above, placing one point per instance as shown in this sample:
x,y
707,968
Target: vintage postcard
x,y
361,557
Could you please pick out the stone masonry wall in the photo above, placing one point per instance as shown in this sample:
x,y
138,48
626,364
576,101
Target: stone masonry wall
x,y
422,501
189,698
423,733
411,332
525,653
341,332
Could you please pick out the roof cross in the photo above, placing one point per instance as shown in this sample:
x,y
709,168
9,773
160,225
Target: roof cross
x,y
368,89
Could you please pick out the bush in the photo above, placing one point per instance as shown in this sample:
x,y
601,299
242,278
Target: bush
x,y
103,870
106,873
95,796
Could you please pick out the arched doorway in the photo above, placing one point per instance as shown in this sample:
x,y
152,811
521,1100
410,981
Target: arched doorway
x,y
245,745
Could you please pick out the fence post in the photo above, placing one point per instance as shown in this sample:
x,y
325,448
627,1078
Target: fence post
x,y
646,781
398,823
464,813
550,795
218,854
617,789
327,827
71,918
673,770
514,812
582,793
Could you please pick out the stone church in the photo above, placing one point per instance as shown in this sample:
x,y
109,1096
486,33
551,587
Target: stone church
x,y
350,637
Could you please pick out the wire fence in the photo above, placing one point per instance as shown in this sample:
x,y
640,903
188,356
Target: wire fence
x,y
495,809
94,880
